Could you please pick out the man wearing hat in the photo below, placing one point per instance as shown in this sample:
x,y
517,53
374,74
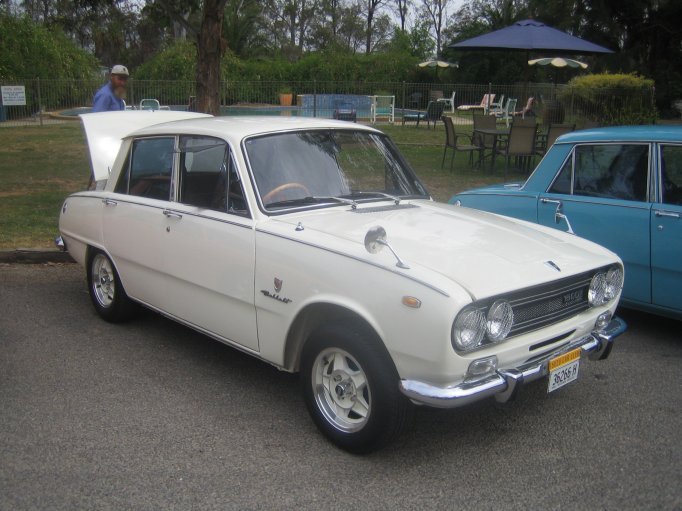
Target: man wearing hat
x,y
110,96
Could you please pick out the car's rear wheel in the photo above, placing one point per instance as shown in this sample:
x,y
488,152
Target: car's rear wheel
x,y
106,291
350,387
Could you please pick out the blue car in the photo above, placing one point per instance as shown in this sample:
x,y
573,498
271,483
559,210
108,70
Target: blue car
x,y
620,187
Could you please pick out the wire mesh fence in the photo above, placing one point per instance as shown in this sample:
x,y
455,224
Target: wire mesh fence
x,y
50,101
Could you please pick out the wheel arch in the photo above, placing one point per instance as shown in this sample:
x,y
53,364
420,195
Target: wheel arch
x,y
313,316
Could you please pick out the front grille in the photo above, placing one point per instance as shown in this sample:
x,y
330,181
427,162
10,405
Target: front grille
x,y
543,305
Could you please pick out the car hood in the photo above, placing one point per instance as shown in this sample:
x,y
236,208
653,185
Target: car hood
x,y
484,253
105,132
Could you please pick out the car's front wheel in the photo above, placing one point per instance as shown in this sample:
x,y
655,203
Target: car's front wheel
x,y
106,291
350,387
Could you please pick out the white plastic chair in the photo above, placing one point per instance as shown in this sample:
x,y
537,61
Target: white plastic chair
x,y
449,102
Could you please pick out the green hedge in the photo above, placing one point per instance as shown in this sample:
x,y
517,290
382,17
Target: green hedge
x,y
30,50
178,62
611,99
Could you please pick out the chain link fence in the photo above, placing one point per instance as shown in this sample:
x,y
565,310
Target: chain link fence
x,y
56,101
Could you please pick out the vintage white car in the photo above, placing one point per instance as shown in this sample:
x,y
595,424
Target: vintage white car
x,y
312,245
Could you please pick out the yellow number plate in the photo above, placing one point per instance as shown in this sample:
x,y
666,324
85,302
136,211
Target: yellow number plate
x,y
563,369
564,359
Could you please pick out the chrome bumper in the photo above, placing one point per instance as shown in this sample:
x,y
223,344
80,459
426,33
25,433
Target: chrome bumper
x,y
504,384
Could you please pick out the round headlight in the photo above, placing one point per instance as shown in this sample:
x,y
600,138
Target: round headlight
x,y
597,293
614,283
468,329
499,321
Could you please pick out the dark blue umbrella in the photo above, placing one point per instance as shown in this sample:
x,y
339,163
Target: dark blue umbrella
x,y
530,35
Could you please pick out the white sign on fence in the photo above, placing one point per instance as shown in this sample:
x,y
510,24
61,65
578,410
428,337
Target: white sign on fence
x,y
13,95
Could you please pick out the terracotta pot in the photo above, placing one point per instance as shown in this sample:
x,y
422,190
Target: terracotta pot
x,y
286,99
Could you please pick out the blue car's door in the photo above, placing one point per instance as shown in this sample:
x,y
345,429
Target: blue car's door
x,y
602,192
666,231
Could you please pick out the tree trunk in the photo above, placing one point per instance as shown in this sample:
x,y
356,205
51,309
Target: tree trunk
x,y
210,48
368,40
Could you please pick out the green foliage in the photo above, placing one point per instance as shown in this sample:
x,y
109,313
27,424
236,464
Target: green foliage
x,y
29,50
612,99
178,63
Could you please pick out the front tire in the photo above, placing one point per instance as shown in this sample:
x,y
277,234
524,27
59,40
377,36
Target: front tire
x,y
350,387
106,291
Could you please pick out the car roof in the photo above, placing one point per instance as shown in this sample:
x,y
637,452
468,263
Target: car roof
x,y
658,133
239,127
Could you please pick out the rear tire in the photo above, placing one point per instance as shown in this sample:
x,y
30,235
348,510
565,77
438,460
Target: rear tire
x,y
106,291
350,387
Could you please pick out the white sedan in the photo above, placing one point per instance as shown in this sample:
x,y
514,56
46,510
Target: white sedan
x,y
312,245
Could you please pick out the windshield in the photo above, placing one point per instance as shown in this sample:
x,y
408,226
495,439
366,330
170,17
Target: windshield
x,y
322,167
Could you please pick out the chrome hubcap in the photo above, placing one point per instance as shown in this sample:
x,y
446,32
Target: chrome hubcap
x,y
103,283
341,390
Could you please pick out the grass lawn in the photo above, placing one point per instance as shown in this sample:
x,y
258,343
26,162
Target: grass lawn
x,y
40,166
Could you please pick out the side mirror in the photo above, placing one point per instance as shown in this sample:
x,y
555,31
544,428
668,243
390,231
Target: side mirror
x,y
375,241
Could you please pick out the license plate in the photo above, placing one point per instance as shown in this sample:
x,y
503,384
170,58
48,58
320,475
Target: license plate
x,y
563,369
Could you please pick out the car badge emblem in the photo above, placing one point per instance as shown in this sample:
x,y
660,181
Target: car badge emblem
x,y
553,265
278,285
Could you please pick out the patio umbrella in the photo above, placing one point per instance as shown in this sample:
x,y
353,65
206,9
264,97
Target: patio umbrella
x,y
435,63
559,62
530,35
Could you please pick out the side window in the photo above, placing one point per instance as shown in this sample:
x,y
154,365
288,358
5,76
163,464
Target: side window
x,y
671,174
149,173
208,177
122,184
562,184
612,171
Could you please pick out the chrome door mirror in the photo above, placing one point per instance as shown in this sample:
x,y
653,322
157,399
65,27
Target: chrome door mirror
x,y
559,214
375,241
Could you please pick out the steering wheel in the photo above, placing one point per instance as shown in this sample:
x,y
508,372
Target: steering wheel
x,y
282,188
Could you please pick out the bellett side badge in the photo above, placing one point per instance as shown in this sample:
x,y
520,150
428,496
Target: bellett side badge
x,y
278,287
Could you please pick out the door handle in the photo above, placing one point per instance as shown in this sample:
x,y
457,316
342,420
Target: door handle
x,y
171,214
559,213
109,202
669,214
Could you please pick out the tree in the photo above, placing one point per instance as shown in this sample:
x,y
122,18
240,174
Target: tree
x,y
372,7
435,12
402,7
210,49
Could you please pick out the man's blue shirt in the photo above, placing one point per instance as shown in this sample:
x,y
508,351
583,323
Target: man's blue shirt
x,y
105,100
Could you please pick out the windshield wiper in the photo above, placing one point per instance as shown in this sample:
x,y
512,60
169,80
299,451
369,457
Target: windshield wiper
x,y
380,194
313,200
342,200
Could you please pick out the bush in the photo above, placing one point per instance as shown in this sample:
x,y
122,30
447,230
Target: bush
x,y
611,99
29,50
178,62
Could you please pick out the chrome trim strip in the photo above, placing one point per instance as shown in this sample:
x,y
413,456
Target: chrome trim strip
x,y
506,382
359,259
169,208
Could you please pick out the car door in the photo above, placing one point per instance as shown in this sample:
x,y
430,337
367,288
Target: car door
x,y
133,222
666,230
209,243
602,192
